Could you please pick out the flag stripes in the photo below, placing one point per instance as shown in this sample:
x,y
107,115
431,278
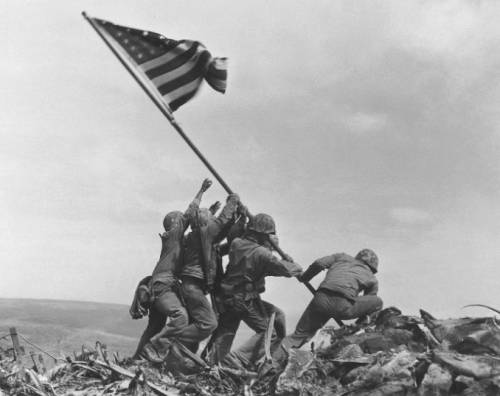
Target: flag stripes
x,y
176,69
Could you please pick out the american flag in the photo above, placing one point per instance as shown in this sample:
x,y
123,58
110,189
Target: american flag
x,y
175,68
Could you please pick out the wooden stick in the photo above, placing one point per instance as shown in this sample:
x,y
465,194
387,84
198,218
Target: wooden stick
x,y
18,351
126,373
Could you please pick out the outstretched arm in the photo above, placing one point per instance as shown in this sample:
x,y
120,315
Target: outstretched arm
x,y
195,204
273,266
219,227
318,266
204,187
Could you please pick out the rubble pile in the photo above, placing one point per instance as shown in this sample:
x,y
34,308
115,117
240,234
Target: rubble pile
x,y
400,355
393,354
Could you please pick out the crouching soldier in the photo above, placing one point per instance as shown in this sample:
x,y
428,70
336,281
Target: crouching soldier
x,y
199,271
250,261
163,285
337,296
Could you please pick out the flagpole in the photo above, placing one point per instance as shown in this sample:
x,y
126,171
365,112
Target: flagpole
x,y
167,113
160,105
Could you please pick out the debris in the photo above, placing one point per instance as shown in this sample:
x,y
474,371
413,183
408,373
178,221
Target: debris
x,y
391,354
469,365
437,381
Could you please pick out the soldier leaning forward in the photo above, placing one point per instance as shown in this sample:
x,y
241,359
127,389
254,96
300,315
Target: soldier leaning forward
x,y
250,261
163,285
338,295
199,271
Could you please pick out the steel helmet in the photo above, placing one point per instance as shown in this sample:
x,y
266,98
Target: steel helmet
x,y
170,219
263,224
368,257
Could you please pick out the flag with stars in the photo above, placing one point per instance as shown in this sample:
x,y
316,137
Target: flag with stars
x,y
176,69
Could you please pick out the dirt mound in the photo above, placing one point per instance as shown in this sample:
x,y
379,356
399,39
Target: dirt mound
x,y
394,354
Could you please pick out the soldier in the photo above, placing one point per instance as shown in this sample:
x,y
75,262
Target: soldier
x,y
250,261
163,286
337,296
199,271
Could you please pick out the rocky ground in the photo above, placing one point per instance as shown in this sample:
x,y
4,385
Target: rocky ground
x,y
394,354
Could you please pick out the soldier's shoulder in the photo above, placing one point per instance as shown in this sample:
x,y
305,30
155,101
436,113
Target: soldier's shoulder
x,y
344,257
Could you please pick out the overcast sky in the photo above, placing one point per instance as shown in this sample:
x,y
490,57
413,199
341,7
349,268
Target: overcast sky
x,y
355,124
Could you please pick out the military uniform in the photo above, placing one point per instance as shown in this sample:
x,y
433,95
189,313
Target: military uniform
x,y
163,287
199,270
243,282
337,296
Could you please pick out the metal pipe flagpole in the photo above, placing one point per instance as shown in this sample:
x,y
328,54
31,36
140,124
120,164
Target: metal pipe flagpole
x,y
162,106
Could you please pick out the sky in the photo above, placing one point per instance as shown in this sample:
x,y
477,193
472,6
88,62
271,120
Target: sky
x,y
368,124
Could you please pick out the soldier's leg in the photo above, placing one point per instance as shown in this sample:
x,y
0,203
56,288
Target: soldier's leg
x,y
156,321
279,324
168,303
202,317
363,305
279,320
256,317
315,316
223,337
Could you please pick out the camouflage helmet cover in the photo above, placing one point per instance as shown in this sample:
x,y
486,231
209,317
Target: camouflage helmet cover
x,y
262,223
170,219
369,257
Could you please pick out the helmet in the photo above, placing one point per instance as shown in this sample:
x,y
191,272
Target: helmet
x,y
262,223
170,219
368,257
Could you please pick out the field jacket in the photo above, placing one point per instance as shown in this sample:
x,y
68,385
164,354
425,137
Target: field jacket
x,y
346,275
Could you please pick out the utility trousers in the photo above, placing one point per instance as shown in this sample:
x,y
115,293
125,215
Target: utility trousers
x,y
325,306
166,306
202,318
256,314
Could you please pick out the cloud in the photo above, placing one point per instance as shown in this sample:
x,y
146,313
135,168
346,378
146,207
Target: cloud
x,y
361,123
408,215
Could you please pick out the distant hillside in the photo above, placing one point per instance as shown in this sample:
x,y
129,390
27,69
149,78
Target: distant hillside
x,y
64,326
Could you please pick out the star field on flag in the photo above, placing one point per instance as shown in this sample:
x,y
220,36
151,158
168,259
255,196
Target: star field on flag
x,y
175,68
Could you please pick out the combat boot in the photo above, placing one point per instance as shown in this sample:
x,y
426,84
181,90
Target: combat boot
x,y
150,353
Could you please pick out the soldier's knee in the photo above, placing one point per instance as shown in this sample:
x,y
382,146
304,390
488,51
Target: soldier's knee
x,y
212,325
179,317
378,304
207,327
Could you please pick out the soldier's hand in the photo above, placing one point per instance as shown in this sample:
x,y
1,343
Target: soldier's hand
x,y
234,197
288,258
242,210
206,184
136,313
215,207
300,277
